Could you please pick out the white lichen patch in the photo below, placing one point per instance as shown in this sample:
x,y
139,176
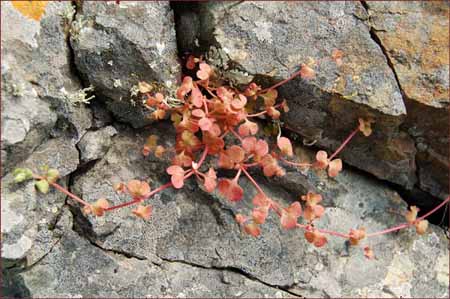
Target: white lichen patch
x,y
399,276
262,31
18,249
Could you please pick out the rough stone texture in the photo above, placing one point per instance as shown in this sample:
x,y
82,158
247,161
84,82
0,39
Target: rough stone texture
x,y
267,40
415,37
27,216
192,227
95,144
36,79
116,46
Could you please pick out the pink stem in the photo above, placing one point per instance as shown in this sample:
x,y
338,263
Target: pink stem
x,y
63,190
347,140
236,135
134,201
280,83
404,225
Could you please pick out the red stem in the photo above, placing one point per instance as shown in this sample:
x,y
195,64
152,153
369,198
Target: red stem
x,y
63,190
404,225
347,140
281,82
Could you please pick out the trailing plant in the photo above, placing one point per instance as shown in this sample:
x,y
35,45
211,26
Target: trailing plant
x,y
217,123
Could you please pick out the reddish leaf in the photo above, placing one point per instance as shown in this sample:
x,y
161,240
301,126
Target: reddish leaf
x,y
411,215
316,238
312,198
205,124
143,211
196,97
259,214
210,180
230,189
239,102
252,229
285,146
321,160
260,200
307,73
205,71
98,208
248,128
241,219
365,126
368,253
356,235
334,167
138,189
421,227
177,176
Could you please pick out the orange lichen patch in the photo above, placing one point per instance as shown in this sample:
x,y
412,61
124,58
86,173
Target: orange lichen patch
x,y
31,9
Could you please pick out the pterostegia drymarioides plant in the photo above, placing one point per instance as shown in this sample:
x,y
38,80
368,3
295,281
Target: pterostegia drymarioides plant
x,y
204,111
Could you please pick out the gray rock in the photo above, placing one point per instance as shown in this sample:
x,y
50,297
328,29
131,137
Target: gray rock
x,y
95,144
37,81
109,274
415,38
269,41
192,227
28,217
116,46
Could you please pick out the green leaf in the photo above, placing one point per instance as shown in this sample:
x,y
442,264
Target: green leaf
x,y
52,175
22,174
42,186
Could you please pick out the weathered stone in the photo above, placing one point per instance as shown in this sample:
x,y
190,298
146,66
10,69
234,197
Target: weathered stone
x,y
28,217
36,80
415,37
116,46
95,144
195,228
108,275
267,41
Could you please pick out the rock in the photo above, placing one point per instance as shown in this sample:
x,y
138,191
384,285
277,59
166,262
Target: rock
x,y
192,227
267,41
116,46
36,81
415,38
95,144
28,217
110,274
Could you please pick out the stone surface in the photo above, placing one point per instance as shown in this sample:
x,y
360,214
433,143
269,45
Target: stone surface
x,y
416,38
116,46
36,81
95,144
28,217
267,41
193,227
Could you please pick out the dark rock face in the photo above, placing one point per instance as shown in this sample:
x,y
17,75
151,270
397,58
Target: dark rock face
x,y
415,38
270,40
394,68
116,46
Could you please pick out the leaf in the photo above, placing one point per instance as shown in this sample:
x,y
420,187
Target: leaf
x,y
22,174
259,214
285,146
411,215
210,180
334,167
42,186
31,9
307,73
368,253
143,212
365,126
230,190
356,235
177,176
321,160
138,189
99,207
204,72
421,227
252,229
